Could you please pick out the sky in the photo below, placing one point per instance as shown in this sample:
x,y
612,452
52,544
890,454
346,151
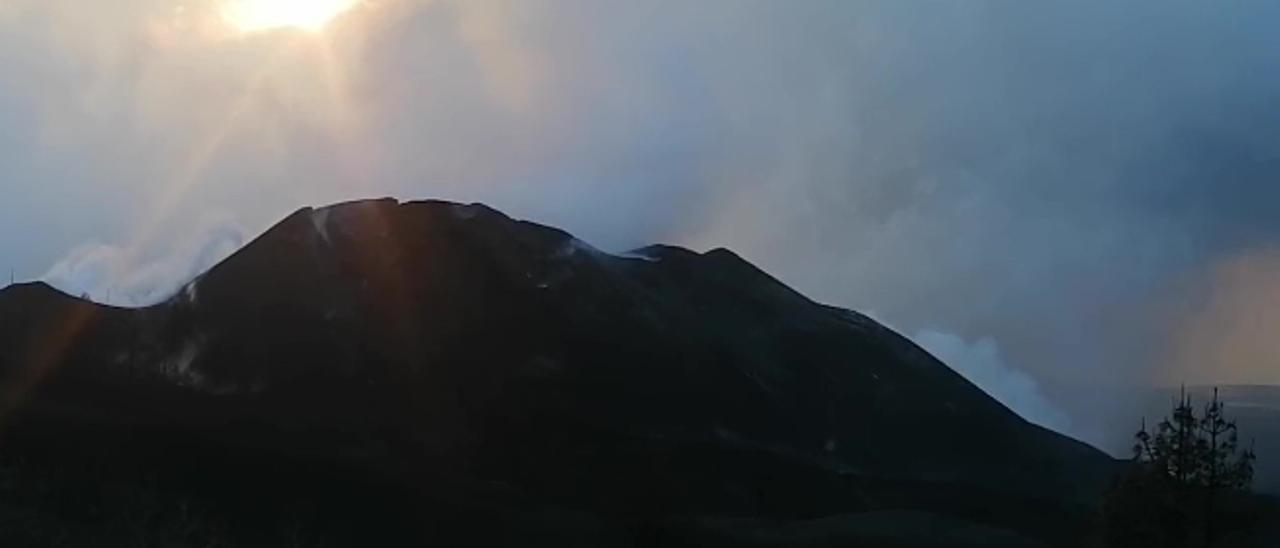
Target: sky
x,y
1064,200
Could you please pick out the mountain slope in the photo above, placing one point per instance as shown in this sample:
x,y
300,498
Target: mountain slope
x,y
431,343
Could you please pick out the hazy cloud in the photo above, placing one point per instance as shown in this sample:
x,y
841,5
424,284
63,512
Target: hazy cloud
x,y
1228,334
1060,177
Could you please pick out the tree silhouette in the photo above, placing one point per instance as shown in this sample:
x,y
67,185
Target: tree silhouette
x,y
1184,469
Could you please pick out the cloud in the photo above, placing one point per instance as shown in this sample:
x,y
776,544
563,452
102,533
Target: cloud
x,y
981,363
1227,336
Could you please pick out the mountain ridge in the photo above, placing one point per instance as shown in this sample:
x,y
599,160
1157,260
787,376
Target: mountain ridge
x,y
371,335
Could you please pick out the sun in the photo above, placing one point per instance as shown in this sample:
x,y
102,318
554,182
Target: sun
x,y
262,15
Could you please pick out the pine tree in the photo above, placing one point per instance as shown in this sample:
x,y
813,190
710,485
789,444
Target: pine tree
x,y
1183,468
1225,468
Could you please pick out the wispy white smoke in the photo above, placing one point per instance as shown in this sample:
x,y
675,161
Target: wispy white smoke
x,y
121,276
981,363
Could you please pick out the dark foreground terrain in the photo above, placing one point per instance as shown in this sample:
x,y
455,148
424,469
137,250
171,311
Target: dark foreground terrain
x,y
387,374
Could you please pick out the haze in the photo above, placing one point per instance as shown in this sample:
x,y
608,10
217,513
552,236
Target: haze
x,y
1053,197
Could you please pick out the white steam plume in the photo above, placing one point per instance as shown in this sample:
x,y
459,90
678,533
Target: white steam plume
x,y
116,275
981,363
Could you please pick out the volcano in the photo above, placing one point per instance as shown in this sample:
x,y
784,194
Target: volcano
x,y
379,372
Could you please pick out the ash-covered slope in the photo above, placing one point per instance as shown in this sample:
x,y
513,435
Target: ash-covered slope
x,y
427,340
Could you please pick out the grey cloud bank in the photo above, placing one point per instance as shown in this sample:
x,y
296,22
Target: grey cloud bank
x,y
1067,179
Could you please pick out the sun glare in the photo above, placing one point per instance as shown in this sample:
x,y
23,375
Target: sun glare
x,y
262,15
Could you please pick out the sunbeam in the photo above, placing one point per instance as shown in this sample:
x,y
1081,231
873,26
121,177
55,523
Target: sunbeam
x,y
261,15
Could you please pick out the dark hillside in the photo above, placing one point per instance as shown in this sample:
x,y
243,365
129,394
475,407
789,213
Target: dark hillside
x,y
375,362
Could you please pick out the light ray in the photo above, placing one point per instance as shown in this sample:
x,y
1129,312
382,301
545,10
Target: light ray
x,y
45,354
196,164
263,15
